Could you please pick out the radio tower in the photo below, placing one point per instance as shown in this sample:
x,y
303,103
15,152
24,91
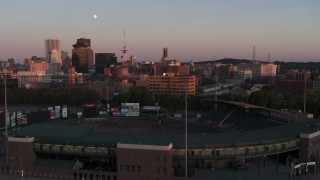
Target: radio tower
x,y
124,50
254,54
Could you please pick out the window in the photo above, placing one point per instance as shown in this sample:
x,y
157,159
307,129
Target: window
x,y
246,151
133,168
121,167
158,157
164,158
312,143
127,168
139,168
158,170
164,170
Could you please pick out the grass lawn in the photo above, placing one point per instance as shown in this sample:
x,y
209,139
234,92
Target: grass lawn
x,y
172,122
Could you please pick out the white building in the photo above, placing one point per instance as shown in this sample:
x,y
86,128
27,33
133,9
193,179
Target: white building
x,y
53,49
28,77
259,69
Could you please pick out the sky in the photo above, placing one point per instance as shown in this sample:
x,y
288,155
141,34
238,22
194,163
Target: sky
x,y
195,30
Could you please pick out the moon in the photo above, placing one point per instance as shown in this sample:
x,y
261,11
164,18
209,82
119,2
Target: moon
x,y
95,16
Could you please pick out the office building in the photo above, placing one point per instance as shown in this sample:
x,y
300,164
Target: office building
x,y
53,50
82,56
36,64
104,60
259,69
172,84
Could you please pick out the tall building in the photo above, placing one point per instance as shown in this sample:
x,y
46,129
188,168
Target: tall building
x,y
64,55
167,60
104,60
53,45
82,56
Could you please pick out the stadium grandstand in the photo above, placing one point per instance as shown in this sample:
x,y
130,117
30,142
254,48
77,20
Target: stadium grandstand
x,y
224,140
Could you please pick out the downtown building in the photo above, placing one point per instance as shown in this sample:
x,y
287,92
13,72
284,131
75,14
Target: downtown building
x,y
172,84
53,50
82,56
104,60
53,55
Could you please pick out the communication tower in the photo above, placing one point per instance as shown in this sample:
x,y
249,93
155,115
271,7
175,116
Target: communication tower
x,y
124,50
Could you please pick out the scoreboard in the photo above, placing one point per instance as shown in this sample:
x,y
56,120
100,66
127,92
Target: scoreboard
x,y
130,109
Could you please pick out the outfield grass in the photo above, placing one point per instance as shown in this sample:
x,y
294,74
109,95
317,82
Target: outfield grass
x,y
172,122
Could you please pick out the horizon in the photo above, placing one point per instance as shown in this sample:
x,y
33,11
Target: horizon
x,y
198,31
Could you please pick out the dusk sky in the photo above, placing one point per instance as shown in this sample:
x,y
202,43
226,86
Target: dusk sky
x,y
192,30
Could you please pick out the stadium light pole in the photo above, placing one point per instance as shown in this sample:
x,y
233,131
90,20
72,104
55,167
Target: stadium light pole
x,y
305,93
108,98
216,95
186,128
6,113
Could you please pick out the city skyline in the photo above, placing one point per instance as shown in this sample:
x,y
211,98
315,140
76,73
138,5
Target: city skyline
x,y
197,31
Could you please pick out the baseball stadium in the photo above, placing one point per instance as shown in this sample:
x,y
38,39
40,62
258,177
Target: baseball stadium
x,y
234,139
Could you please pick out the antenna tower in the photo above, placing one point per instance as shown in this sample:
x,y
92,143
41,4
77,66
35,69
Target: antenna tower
x,y
254,53
124,50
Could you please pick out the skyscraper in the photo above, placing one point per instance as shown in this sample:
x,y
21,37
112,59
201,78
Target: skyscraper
x,y
82,56
53,45
104,60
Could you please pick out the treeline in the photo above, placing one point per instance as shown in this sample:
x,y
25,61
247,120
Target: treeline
x,y
69,96
78,96
172,103
272,99
266,98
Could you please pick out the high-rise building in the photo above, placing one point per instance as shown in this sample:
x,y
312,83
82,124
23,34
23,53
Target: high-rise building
x,y
53,45
64,55
104,60
82,56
